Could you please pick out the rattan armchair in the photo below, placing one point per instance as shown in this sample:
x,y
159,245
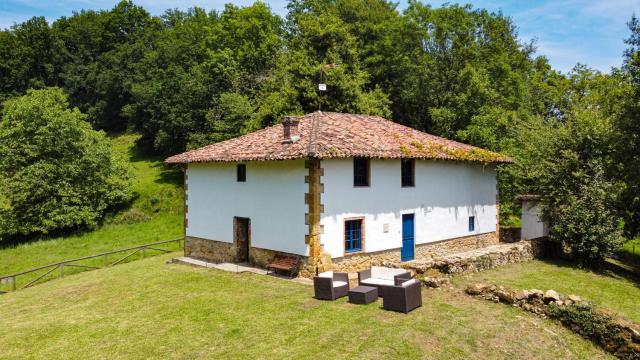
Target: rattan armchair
x,y
331,285
404,297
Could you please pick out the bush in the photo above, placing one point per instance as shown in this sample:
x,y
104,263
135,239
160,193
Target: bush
x,y
584,221
56,173
597,326
132,216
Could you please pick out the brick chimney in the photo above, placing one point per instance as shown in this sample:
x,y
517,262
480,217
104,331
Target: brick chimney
x,y
291,132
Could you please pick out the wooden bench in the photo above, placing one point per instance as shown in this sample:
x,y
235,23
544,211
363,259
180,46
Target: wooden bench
x,y
287,263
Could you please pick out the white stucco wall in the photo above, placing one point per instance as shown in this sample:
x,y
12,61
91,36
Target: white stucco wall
x,y
533,226
272,197
445,195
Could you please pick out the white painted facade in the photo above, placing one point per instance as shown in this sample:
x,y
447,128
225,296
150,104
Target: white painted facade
x,y
272,197
446,193
533,226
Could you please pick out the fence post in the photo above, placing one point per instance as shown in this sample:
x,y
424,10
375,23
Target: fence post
x,y
13,283
106,260
144,252
61,270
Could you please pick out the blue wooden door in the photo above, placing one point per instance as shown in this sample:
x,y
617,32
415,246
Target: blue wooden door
x,y
406,254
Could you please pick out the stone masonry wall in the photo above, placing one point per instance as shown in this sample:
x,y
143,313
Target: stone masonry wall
x,y
210,250
219,251
361,261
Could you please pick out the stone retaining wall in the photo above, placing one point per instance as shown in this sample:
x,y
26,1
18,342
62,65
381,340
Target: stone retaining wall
x,y
482,259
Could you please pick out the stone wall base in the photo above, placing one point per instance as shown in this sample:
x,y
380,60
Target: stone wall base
x,y
210,250
391,258
441,255
220,251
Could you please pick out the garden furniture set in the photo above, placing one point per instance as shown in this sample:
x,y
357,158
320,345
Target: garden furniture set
x,y
398,289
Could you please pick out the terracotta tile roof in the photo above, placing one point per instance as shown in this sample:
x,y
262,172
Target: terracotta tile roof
x,y
326,135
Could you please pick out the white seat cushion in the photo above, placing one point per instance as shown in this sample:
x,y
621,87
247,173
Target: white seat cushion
x,y
326,274
409,282
339,283
377,281
385,273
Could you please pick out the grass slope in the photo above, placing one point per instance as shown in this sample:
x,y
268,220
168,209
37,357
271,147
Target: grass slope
x,y
155,215
146,309
609,291
630,253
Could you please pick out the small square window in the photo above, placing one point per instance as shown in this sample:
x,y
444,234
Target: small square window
x,y
241,173
472,223
407,172
360,172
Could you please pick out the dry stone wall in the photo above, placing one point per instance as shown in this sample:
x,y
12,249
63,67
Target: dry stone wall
x,y
616,335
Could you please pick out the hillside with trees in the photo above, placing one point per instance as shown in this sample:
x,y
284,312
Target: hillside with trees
x,y
189,78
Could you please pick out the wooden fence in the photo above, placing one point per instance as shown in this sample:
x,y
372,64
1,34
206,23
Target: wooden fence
x,y
92,262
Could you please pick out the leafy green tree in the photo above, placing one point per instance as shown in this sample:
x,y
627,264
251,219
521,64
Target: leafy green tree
x,y
197,58
584,219
56,172
320,49
27,58
629,140
97,52
570,161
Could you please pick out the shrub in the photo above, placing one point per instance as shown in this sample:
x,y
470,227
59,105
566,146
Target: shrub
x,y
56,173
583,220
132,216
597,326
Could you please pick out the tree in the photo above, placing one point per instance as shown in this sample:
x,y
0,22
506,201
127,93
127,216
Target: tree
x,y
319,49
56,172
629,140
195,60
97,51
569,160
27,58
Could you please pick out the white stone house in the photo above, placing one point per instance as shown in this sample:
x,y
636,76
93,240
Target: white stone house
x,y
339,190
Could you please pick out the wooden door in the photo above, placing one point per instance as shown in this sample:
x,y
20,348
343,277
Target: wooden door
x,y
241,238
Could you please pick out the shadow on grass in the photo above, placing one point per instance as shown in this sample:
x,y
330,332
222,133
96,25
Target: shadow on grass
x,y
630,254
168,174
16,240
609,269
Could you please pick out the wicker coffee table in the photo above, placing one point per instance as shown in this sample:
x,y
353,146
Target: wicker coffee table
x,y
363,294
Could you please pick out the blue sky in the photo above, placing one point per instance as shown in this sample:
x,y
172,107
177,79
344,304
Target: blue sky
x,y
566,31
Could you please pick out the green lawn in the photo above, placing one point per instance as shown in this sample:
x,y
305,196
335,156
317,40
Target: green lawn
x,y
147,309
607,290
630,253
156,214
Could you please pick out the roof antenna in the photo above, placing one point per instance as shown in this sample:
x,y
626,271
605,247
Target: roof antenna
x,y
322,88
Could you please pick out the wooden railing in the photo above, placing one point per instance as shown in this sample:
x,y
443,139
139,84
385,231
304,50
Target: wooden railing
x,y
91,262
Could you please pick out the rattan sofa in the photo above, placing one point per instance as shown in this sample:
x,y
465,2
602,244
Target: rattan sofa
x,y
381,277
331,285
403,297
